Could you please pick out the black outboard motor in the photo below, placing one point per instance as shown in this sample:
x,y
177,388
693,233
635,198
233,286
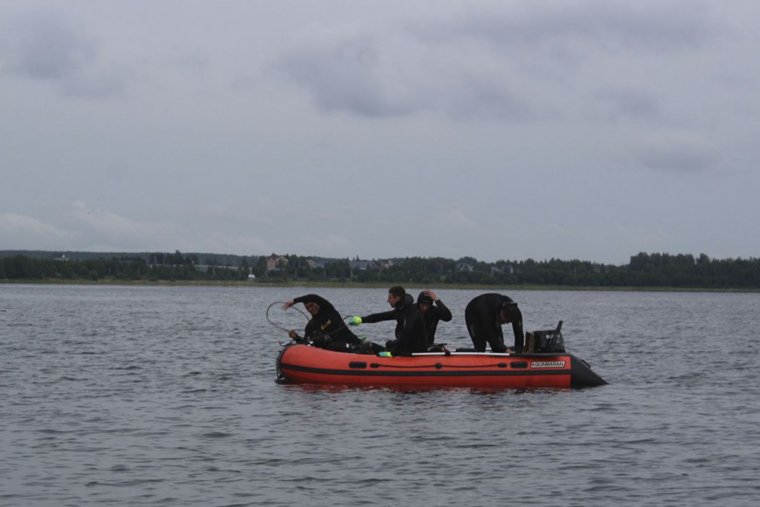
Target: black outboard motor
x,y
551,342
546,341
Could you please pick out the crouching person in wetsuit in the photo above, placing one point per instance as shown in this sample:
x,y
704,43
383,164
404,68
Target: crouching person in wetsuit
x,y
326,328
485,315
432,310
410,329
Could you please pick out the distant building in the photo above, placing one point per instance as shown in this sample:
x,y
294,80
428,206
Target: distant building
x,y
506,268
314,264
360,265
465,266
276,262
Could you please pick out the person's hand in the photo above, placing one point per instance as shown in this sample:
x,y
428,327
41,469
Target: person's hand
x,y
292,333
288,304
432,295
354,321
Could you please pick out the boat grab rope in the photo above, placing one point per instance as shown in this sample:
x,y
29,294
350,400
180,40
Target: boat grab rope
x,y
439,366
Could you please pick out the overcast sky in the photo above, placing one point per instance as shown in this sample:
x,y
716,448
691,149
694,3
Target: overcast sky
x,y
498,130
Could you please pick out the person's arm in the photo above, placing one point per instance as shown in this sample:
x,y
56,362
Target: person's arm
x,y
379,317
443,311
314,298
517,328
293,334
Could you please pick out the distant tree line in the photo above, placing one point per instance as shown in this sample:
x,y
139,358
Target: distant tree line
x,y
643,270
153,267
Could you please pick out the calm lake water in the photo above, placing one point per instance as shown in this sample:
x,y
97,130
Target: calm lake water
x,y
166,396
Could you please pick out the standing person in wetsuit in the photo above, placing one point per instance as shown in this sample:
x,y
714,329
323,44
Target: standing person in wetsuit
x,y
410,330
326,328
485,315
432,310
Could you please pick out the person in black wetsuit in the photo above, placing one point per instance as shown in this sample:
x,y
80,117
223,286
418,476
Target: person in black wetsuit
x,y
432,310
410,329
326,328
485,315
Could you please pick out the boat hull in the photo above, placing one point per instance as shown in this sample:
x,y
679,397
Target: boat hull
x,y
299,363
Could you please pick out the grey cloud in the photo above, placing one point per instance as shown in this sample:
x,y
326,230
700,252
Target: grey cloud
x,y
678,160
360,77
21,229
677,154
617,103
345,76
50,47
487,99
95,86
652,26
436,68
46,46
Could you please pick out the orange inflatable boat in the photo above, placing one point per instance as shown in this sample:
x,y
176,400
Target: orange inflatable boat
x,y
299,363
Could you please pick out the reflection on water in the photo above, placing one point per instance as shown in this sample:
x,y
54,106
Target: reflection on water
x,y
166,395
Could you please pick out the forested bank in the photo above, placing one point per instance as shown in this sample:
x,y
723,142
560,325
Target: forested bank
x,y
643,270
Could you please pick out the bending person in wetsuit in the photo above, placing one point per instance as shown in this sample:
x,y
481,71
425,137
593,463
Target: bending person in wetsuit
x,y
432,310
410,330
326,328
485,315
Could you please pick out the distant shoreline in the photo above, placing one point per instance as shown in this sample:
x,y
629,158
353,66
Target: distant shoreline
x,y
645,272
360,285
